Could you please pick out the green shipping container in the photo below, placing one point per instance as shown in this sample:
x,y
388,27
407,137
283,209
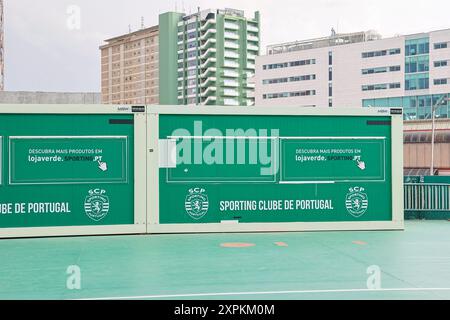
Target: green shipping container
x,y
70,170
275,169
87,170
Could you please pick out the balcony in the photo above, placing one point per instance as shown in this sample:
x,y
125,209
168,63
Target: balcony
x,y
231,26
230,83
230,74
209,91
208,24
209,42
252,38
209,33
252,47
252,28
251,66
210,100
230,64
230,93
231,35
231,54
232,45
251,56
208,71
208,62
231,102
208,52
208,81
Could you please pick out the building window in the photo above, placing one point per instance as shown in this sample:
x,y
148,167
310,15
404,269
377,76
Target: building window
x,y
289,94
417,46
417,64
290,79
192,35
330,89
374,70
330,58
330,74
381,86
440,45
289,64
330,103
191,26
394,51
380,70
438,82
442,63
417,81
380,53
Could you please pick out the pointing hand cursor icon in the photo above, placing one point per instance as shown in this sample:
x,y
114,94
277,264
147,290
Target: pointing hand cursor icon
x,y
361,165
102,166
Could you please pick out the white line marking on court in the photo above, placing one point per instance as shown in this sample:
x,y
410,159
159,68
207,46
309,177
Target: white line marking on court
x,y
192,295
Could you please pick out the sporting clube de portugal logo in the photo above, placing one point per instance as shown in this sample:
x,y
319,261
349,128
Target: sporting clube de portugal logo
x,y
356,201
96,204
196,203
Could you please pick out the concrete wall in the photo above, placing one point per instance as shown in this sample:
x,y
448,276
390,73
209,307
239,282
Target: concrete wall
x,y
30,97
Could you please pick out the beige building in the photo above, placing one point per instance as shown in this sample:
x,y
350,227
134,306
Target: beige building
x,y
130,68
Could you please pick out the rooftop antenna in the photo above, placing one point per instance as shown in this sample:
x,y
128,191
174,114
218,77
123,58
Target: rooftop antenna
x,y
142,23
182,6
129,28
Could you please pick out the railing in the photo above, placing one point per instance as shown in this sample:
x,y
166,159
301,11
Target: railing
x,y
427,197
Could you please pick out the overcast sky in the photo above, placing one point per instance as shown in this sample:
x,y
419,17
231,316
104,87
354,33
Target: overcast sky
x,y
46,51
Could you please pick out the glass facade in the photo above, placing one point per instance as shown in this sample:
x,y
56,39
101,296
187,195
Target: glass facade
x,y
417,64
417,81
414,107
417,46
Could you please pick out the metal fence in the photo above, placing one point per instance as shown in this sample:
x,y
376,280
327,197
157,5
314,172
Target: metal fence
x,y
427,197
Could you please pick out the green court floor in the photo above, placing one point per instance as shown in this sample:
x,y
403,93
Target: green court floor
x,y
414,264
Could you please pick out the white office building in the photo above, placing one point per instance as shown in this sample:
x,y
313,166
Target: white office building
x,y
358,70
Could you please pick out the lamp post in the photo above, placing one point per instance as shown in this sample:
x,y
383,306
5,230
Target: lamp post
x,y
433,118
